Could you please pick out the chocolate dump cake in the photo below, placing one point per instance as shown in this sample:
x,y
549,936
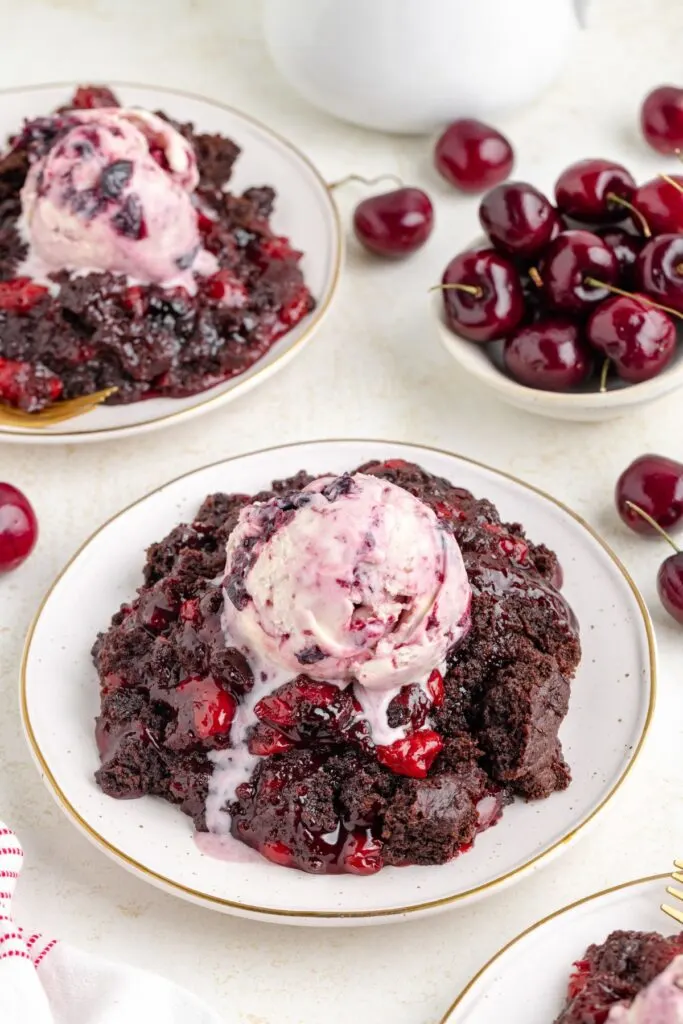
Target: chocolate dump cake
x,y
629,969
126,262
343,672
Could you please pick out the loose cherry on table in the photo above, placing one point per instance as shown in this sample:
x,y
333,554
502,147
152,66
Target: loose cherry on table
x,y
670,574
394,223
18,528
638,338
519,220
575,269
661,118
659,270
548,355
473,156
654,484
594,191
482,295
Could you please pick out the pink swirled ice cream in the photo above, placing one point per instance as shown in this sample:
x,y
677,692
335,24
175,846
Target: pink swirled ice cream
x,y
114,193
352,579
661,1002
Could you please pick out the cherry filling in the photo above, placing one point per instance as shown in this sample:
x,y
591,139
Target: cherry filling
x,y
320,795
614,972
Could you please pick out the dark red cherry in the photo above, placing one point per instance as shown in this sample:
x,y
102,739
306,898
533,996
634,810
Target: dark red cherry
x,y
670,575
483,297
661,118
659,270
626,247
661,204
518,219
473,156
547,355
18,528
636,336
571,262
590,190
655,484
395,223
670,585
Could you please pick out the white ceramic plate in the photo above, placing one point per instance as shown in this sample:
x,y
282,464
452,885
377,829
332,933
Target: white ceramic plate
x,y
612,701
585,405
304,210
540,959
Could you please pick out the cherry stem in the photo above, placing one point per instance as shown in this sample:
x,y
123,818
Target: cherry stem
x,y
594,283
365,181
670,181
471,289
620,201
653,523
535,277
603,376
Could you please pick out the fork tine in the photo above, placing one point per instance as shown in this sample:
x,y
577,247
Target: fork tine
x,y
676,893
677,876
678,864
672,912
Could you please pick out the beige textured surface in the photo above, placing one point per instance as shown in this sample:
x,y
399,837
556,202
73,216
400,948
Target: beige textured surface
x,y
375,369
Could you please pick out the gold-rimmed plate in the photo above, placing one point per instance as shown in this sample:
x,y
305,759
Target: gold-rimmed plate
x,y
526,982
611,706
304,210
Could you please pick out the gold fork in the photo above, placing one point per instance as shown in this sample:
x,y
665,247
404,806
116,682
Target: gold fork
x,y
676,893
57,413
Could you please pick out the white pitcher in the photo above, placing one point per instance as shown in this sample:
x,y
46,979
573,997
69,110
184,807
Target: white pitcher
x,y
412,65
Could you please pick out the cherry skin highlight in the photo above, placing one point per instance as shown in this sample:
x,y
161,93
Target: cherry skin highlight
x,y
519,220
661,204
18,528
659,270
626,247
670,585
655,484
570,262
661,118
589,191
548,355
473,156
636,336
482,295
395,223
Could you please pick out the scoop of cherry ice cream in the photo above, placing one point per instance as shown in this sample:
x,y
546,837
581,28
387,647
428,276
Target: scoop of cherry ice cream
x,y
113,192
352,579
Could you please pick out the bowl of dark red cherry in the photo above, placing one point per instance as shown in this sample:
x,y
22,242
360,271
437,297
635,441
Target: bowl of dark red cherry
x,y
572,309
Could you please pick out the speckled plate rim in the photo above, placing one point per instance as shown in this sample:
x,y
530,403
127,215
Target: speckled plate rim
x,y
352,916
240,387
481,974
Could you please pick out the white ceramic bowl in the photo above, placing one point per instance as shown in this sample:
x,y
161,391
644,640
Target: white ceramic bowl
x,y
484,364
304,210
611,705
540,959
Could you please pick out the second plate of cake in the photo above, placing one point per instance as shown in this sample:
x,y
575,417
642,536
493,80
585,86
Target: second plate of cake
x,y
589,962
391,681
